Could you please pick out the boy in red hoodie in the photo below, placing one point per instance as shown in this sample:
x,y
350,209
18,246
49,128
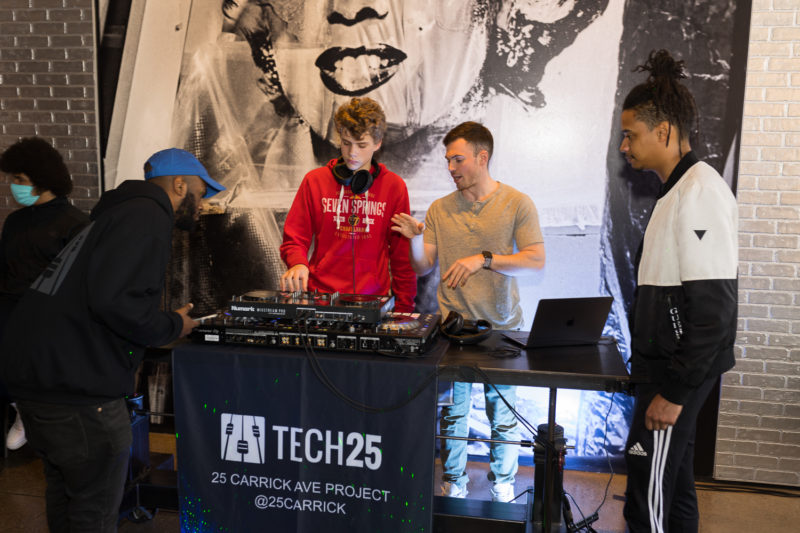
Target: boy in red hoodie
x,y
343,212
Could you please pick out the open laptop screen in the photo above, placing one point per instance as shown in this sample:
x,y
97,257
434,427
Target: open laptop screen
x,y
565,322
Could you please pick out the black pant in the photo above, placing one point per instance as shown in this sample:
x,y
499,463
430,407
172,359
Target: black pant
x,y
85,450
660,496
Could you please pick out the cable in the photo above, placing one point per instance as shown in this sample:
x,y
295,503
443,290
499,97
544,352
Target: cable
x,y
350,221
401,354
302,323
353,255
327,382
585,523
608,458
566,510
523,493
534,433
505,353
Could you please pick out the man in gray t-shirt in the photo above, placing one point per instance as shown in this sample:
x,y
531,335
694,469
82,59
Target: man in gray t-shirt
x,y
483,235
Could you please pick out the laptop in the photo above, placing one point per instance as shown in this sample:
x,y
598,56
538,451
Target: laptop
x,y
565,322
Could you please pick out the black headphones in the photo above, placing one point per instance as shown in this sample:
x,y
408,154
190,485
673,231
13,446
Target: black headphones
x,y
461,331
360,180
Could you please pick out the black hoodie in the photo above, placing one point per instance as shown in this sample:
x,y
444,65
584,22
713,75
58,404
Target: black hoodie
x,y
78,334
32,237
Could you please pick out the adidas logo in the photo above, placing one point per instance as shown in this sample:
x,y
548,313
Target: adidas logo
x,y
637,449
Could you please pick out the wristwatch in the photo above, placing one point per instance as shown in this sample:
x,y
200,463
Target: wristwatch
x,y
487,260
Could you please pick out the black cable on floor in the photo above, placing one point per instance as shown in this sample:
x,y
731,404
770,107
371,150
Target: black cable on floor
x,y
610,478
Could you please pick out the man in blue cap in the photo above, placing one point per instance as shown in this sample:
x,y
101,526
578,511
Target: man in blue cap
x,y
78,335
171,163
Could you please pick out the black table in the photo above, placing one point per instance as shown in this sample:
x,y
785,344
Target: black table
x,y
596,367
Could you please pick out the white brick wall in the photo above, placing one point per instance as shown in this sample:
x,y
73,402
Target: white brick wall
x,y
758,437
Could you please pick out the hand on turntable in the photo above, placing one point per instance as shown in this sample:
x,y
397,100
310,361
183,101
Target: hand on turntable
x,y
295,279
188,322
460,271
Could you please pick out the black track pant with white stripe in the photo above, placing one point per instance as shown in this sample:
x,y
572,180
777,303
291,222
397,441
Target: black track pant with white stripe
x,y
660,496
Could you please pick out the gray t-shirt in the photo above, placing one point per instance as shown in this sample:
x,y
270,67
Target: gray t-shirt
x,y
503,224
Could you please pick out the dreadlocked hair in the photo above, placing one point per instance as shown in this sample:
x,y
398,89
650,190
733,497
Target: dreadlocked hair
x,y
662,97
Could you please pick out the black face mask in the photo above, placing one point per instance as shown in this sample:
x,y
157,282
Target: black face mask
x,y
185,214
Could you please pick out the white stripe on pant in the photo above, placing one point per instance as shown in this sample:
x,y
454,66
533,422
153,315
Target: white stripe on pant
x,y
655,491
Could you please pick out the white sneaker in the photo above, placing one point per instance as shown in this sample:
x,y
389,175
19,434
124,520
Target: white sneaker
x,y
453,491
16,435
502,492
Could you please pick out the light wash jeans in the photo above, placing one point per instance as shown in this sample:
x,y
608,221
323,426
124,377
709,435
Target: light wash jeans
x,y
454,421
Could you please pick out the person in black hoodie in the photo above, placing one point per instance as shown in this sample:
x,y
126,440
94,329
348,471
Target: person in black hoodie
x,y
34,234
78,334
683,326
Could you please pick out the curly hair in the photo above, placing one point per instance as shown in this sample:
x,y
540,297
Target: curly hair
x,y
662,97
474,133
42,163
360,116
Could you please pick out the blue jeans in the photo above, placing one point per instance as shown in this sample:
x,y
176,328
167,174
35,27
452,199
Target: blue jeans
x,y
85,451
454,421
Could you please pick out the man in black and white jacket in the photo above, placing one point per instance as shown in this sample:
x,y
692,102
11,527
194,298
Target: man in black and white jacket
x,y
684,316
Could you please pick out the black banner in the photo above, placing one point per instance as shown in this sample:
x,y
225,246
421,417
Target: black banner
x,y
263,444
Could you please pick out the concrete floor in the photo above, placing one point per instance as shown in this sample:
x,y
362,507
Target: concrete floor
x,y
22,506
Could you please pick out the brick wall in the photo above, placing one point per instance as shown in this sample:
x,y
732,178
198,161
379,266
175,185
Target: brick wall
x,y
758,435
47,86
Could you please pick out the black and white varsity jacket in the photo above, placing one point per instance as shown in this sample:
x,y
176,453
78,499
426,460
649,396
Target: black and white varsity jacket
x,y
684,319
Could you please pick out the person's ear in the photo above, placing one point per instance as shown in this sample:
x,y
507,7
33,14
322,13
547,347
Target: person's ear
x,y
662,131
180,187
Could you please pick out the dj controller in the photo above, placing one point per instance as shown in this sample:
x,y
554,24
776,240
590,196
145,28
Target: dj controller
x,y
319,321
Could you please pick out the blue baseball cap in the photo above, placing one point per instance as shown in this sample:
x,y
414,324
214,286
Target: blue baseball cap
x,y
177,162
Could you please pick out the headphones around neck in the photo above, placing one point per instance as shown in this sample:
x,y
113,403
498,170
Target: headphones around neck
x,y
461,331
360,180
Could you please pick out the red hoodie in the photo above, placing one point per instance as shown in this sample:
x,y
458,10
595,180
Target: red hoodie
x,y
354,232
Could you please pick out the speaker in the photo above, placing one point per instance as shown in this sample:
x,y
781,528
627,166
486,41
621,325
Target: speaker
x,y
360,180
461,331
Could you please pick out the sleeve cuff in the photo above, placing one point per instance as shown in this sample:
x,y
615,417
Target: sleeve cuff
x,y
296,259
675,392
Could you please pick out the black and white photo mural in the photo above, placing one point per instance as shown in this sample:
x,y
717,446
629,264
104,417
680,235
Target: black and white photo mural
x,y
260,82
